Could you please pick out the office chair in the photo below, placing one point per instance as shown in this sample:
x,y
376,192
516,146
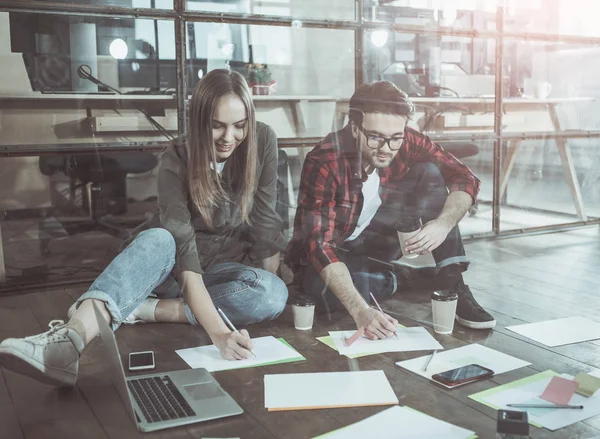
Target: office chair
x,y
96,170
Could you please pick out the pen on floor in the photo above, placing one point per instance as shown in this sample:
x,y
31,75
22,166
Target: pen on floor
x,y
381,311
546,406
228,322
429,361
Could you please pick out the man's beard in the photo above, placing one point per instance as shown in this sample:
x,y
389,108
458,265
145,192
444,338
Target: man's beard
x,y
380,162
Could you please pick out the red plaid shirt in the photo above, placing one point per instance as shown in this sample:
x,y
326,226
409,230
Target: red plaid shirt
x,y
330,196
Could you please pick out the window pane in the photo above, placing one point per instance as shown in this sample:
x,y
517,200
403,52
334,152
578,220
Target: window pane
x,y
462,14
154,4
451,79
45,52
309,9
566,17
547,97
298,98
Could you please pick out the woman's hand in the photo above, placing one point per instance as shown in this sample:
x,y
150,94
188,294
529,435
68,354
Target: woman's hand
x,y
233,345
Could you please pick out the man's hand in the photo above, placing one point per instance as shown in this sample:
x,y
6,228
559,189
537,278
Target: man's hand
x,y
377,325
429,237
233,345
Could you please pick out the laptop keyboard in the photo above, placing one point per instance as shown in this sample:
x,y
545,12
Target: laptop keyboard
x,y
159,399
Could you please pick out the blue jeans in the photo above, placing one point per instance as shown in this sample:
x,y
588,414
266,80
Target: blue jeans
x,y
245,294
422,191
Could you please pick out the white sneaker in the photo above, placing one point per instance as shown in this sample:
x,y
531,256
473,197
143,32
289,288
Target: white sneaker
x,y
131,319
51,357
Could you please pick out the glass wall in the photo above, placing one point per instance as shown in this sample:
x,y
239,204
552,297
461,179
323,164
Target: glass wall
x,y
65,72
549,179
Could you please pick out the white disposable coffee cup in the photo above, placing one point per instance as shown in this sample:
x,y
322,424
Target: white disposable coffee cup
x,y
303,310
406,229
443,307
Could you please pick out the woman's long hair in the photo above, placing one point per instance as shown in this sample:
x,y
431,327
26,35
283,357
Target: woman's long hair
x,y
204,183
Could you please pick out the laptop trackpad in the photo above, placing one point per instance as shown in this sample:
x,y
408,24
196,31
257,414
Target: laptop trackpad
x,y
201,391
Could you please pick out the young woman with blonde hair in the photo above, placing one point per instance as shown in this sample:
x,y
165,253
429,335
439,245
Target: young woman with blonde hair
x,y
215,224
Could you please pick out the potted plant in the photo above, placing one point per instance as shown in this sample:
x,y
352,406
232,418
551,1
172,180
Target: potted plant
x,y
259,79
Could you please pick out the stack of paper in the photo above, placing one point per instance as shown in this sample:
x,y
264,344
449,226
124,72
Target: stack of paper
x,y
469,354
409,339
559,332
400,423
528,391
302,391
268,350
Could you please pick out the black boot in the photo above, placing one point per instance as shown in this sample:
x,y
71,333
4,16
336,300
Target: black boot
x,y
468,312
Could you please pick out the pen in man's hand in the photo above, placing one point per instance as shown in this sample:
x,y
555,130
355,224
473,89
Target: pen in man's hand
x,y
381,311
228,322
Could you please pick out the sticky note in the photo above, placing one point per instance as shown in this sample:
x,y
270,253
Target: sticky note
x,y
588,384
560,390
356,336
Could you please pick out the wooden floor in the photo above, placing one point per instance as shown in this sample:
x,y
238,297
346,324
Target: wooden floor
x,y
520,280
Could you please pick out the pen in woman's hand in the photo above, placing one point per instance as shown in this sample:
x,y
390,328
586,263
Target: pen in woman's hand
x,y
228,322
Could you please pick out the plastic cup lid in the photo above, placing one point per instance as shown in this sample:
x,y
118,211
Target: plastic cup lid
x,y
303,301
443,296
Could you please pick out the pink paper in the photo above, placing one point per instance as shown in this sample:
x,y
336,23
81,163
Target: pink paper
x,y
560,390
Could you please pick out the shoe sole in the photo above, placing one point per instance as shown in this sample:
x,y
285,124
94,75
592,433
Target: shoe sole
x,y
9,358
476,325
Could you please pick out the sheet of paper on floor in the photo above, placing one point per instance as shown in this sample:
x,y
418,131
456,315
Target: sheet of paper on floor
x,y
268,350
528,390
298,391
559,332
409,339
400,423
327,340
469,354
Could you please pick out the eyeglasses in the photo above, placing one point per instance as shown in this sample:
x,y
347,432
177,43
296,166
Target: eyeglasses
x,y
375,142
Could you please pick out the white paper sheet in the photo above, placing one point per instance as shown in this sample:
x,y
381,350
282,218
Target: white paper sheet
x,y
559,332
409,339
469,354
297,391
400,423
268,350
552,419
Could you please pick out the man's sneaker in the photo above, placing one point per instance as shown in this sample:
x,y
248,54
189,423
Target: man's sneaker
x,y
51,357
131,319
469,313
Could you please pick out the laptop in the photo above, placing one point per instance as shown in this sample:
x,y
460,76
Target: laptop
x,y
163,400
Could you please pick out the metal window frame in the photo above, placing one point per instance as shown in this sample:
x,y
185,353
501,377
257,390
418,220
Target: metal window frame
x,y
181,16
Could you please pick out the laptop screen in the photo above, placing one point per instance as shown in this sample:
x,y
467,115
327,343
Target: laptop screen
x,y
113,360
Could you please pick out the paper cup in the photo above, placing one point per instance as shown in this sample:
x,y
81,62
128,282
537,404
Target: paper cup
x,y
304,313
443,307
406,229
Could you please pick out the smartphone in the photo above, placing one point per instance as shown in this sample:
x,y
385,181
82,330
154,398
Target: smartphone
x,y
464,374
141,360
